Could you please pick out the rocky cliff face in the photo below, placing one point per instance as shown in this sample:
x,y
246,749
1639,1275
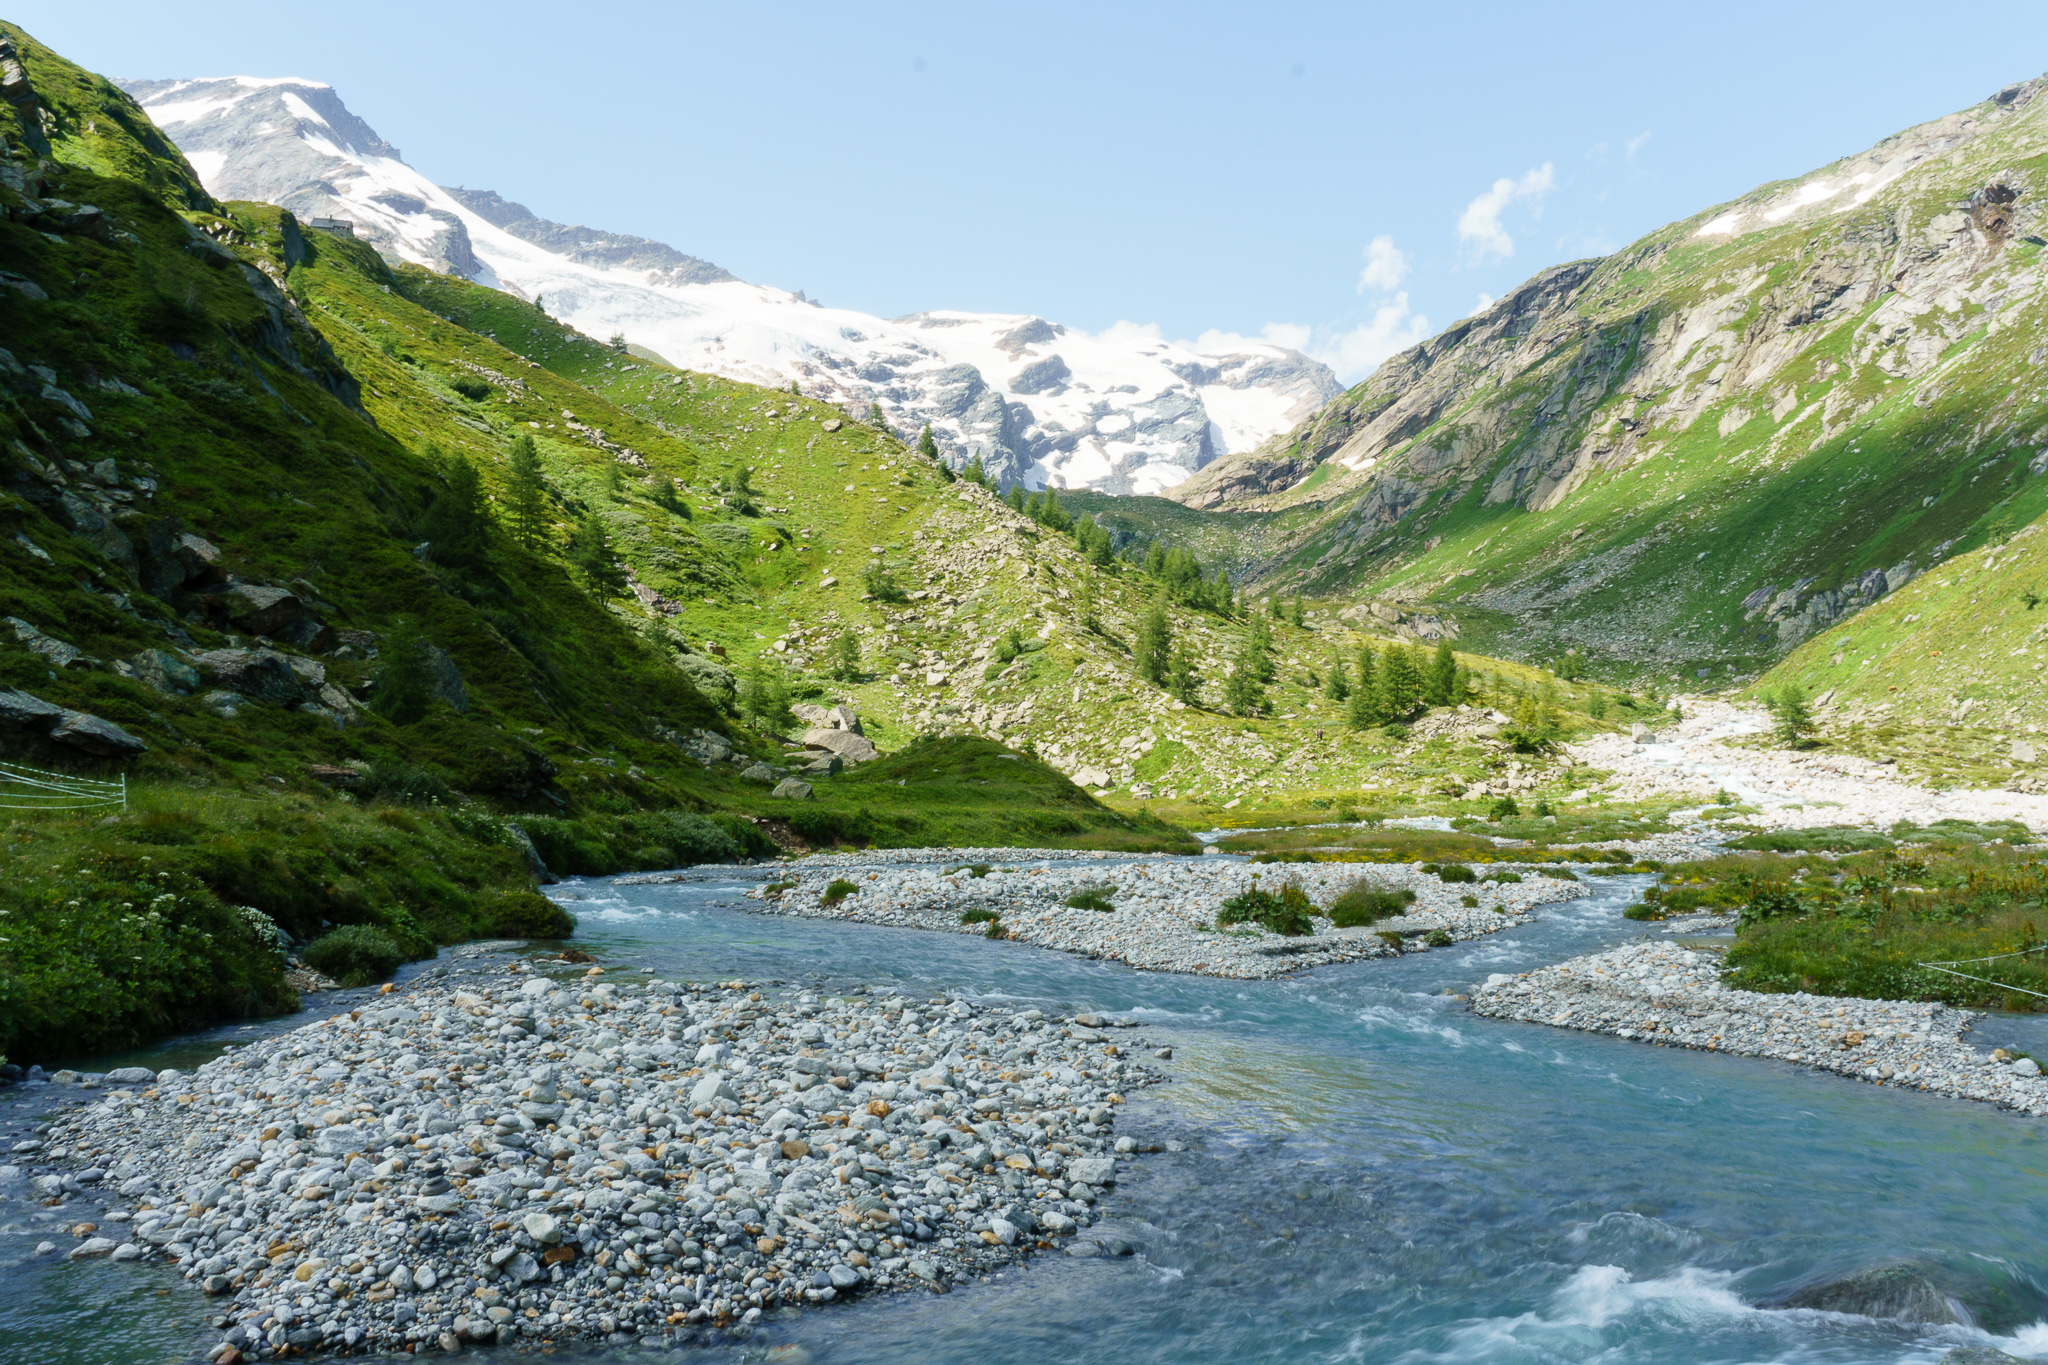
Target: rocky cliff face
x,y
1793,402
1041,403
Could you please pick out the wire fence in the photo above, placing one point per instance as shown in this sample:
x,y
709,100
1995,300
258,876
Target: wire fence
x,y
1949,969
26,788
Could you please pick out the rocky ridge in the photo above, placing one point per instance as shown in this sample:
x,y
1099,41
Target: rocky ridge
x,y
537,1159
1664,993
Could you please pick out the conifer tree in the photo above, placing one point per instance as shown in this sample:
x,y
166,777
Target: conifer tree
x,y
1792,715
928,446
1259,647
1155,645
1399,686
457,524
405,678
877,419
974,473
1242,690
846,657
1365,710
765,699
595,559
1368,673
1182,680
614,481
526,492
1336,686
1440,680
1299,615
1015,500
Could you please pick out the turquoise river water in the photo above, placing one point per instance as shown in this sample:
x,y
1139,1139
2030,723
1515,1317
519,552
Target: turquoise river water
x,y
1365,1172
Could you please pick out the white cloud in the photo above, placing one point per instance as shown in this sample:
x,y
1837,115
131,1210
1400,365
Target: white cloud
x,y
1635,143
1358,352
1386,265
1135,335
1485,302
1480,222
1291,335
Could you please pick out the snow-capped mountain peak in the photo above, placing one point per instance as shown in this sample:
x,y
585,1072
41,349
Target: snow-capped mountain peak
x,y
1123,411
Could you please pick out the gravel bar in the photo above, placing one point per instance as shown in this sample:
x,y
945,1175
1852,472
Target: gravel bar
x,y
533,1159
1663,993
1165,910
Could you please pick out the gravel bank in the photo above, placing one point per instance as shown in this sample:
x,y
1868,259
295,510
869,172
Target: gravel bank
x,y
1688,760
1165,912
529,1159
1662,993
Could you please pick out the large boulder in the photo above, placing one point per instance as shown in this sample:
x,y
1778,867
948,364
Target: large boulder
x,y
260,610
164,671
93,527
447,679
56,651
19,710
261,674
96,736
1904,1291
849,746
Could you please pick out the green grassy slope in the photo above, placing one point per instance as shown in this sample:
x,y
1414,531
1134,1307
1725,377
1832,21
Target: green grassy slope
x,y
1624,453
180,368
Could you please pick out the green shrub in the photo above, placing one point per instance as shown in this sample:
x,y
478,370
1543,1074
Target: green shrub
x,y
1456,872
777,888
1363,903
1438,938
693,838
1503,808
395,780
525,914
1515,877
567,846
838,891
1470,902
978,916
1287,913
1558,874
475,390
354,955
1092,898
1285,858
1642,911
975,870
1392,940
1824,838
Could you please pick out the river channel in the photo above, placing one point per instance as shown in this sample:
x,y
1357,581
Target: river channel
x,y
1356,1169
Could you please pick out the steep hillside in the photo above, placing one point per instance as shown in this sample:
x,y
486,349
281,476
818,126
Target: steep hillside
x,y
1043,403
1690,456
1945,674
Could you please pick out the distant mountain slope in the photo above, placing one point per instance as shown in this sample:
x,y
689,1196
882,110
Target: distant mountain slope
x,y
1697,452
1043,403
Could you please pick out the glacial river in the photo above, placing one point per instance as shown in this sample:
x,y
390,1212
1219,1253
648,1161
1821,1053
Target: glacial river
x,y
1358,1170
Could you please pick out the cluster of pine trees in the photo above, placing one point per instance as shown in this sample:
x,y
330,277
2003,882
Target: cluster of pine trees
x,y
1394,684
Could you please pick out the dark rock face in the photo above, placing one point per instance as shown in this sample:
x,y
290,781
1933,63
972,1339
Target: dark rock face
x,y
1042,376
260,674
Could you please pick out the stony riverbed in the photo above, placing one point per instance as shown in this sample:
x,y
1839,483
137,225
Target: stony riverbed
x,y
528,1158
1665,993
1164,915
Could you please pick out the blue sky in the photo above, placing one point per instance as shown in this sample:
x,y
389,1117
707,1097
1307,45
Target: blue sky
x,y
1345,178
